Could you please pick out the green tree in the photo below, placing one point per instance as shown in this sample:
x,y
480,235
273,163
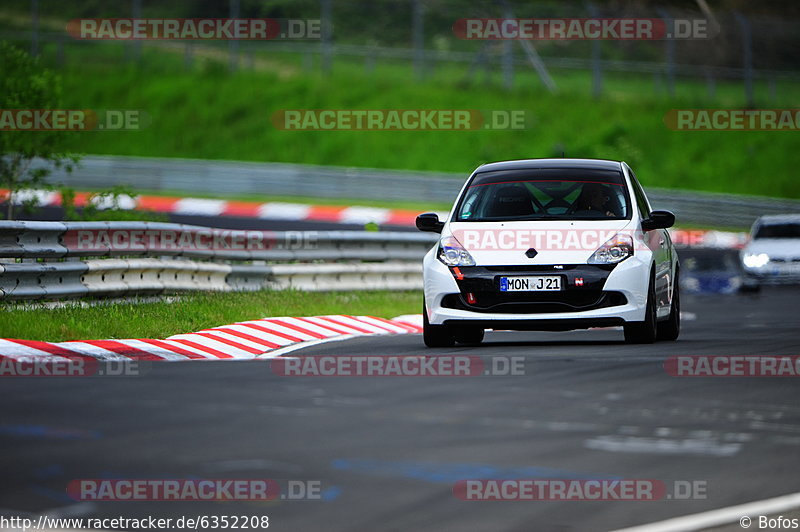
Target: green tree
x,y
28,157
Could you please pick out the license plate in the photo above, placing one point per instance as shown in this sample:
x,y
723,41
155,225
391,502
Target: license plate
x,y
538,283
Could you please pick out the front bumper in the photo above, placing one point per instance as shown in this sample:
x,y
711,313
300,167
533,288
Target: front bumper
x,y
583,290
592,296
772,274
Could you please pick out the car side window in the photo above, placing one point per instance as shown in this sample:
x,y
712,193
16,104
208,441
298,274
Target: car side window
x,y
641,199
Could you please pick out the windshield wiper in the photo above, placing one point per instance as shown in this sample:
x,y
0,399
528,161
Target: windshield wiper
x,y
512,219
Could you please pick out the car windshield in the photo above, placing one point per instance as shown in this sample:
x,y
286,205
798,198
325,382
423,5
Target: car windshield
x,y
785,230
545,194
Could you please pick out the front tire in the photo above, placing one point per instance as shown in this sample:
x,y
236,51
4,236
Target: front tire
x,y
670,329
644,332
436,335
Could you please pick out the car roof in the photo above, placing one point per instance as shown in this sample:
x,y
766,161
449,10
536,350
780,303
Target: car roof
x,y
526,164
778,219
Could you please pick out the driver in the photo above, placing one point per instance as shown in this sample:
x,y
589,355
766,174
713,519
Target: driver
x,y
595,198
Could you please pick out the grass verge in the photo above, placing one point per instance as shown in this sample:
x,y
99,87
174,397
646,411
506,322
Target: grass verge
x,y
192,312
205,112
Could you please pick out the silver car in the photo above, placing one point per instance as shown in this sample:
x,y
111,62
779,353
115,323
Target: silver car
x,y
773,254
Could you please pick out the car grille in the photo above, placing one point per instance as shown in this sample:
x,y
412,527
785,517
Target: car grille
x,y
549,268
536,302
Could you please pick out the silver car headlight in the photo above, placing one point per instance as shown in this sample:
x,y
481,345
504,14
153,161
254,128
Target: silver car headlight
x,y
452,253
755,260
616,249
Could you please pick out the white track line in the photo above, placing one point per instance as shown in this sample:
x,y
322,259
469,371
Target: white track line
x,y
294,347
723,516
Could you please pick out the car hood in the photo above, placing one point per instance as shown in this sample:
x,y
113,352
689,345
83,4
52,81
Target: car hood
x,y
555,242
776,248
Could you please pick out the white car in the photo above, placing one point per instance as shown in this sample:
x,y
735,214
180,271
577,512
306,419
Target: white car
x,y
772,256
550,244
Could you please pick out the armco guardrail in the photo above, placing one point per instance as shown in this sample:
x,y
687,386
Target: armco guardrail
x,y
50,260
206,176
47,240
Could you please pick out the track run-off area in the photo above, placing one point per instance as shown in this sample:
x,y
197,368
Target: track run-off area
x,y
388,451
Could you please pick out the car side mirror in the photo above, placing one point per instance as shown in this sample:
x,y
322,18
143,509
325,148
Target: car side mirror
x,y
429,221
658,220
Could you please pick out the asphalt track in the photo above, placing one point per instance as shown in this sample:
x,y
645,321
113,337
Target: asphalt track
x,y
388,450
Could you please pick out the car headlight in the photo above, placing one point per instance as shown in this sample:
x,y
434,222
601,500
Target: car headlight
x,y
452,253
755,260
616,249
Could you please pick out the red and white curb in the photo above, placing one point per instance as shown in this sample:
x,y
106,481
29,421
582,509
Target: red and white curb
x,y
264,338
273,210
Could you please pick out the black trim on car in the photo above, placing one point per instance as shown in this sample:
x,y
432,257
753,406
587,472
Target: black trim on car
x,y
537,325
582,289
487,278
536,302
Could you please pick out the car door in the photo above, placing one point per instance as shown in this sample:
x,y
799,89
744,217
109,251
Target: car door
x,y
659,242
